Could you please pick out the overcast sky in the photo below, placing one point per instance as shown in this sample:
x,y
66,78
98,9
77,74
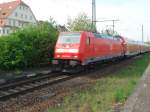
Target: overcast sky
x,y
131,13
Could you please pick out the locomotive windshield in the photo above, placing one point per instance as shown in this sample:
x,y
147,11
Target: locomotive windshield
x,y
71,38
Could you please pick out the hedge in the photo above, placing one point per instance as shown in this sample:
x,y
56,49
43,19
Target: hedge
x,y
28,47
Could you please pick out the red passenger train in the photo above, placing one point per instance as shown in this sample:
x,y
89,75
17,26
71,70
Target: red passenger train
x,y
76,49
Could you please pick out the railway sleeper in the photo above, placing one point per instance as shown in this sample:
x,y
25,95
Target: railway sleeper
x,y
38,83
13,90
4,93
21,88
33,85
27,86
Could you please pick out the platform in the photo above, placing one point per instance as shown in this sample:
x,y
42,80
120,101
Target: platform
x,y
139,101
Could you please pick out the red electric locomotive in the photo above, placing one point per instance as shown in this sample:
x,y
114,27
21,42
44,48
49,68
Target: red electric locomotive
x,y
76,49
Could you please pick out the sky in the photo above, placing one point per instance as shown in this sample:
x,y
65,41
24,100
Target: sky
x,y
132,14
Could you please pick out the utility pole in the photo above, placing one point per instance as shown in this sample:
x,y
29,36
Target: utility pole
x,y
108,21
142,33
94,16
93,13
113,25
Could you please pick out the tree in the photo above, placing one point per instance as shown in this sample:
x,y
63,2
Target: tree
x,y
81,23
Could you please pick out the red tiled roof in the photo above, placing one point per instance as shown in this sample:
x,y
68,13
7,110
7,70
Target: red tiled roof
x,y
6,9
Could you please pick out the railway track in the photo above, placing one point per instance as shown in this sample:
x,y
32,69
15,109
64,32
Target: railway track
x,y
26,85
31,84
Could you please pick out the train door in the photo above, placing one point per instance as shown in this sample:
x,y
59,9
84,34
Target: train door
x,y
119,46
124,45
89,49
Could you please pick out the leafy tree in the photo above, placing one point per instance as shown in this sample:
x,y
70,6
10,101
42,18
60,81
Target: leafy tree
x,y
81,23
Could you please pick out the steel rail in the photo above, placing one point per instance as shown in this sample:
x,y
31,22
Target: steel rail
x,y
23,87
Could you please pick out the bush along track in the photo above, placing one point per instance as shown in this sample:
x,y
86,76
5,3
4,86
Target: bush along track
x,y
28,47
107,92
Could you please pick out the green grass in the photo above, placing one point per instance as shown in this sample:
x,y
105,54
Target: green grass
x,y
107,91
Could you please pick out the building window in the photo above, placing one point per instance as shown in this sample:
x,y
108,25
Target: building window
x,y
1,22
3,31
26,16
30,17
21,15
4,13
14,22
20,23
10,22
16,14
7,31
0,31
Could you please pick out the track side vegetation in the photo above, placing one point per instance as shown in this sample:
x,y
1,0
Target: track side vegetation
x,y
106,92
28,47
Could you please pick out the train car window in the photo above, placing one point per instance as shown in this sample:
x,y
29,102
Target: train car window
x,y
106,36
117,38
88,41
103,35
70,38
97,35
110,37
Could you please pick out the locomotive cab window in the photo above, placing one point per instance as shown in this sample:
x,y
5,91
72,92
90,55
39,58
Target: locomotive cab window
x,y
71,38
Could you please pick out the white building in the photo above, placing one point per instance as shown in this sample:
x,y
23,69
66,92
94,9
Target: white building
x,y
15,14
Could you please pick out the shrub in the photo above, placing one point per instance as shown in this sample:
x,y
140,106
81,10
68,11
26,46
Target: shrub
x,y
28,47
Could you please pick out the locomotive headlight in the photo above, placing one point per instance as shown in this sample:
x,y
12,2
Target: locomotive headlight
x,y
75,56
58,56
59,50
67,50
73,50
